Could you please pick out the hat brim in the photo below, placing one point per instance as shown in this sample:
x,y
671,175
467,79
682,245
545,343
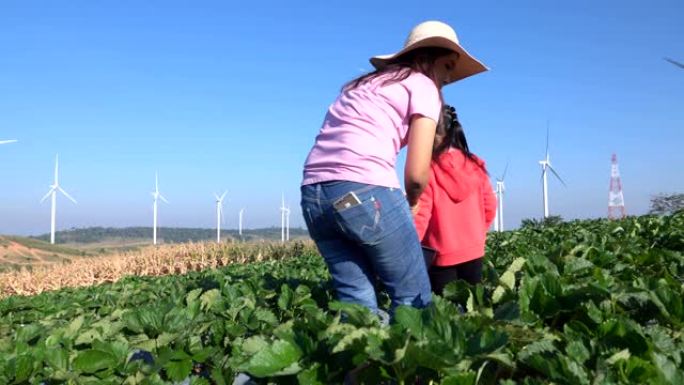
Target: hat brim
x,y
466,66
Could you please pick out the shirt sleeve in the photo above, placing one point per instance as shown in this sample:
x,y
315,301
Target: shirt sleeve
x,y
423,97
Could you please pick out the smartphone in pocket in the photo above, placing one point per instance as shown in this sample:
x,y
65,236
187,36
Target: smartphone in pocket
x,y
347,201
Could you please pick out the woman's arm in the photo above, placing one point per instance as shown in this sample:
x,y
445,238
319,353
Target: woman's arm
x,y
424,213
417,171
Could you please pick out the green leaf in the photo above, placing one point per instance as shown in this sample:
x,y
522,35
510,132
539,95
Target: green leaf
x,y
285,298
74,327
619,356
266,316
88,337
192,296
410,318
24,368
467,378
57,358
91,361
273,359
210,299
668,370
508,311
178,370
312,376
577,351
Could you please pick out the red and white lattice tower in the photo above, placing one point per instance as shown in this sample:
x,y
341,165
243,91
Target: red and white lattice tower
x,y
616,201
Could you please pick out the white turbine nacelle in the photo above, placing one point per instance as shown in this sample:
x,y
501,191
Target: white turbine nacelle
x,y
219,214
54,188
156,195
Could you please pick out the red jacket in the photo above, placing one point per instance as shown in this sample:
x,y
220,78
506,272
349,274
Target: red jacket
x,y
456,209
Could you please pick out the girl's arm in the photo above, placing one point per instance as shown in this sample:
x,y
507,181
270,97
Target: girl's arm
x,y
417,170
490,203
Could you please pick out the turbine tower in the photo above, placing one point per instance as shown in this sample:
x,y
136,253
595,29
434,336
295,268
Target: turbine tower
x,y
287,223
284,220
219,214
546,165
240,221
500,188
53,193
496,216
616,201
156,195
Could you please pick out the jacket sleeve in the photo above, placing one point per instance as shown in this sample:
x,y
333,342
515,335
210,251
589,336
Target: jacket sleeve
x,y
425,202
489,202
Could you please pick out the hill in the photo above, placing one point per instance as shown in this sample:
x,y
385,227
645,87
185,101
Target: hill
x,y
17,252
141,235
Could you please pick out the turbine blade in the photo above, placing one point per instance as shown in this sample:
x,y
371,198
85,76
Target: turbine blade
x,y
156,182
66,194
217,197
547,140
163,199
57,170
678,64
557,176
503,176
224,195
47,195
8,141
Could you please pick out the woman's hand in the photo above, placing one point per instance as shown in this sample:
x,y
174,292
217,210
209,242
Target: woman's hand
x,y
415,209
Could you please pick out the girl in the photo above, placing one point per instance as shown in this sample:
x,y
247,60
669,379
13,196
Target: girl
x,y
456,208
352,203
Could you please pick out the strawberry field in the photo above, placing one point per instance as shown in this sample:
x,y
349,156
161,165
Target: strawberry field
x,y
587,302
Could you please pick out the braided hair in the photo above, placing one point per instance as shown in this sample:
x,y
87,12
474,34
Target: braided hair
x,y
450,134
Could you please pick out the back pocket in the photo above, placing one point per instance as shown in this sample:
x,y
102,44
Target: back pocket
x,y
363,222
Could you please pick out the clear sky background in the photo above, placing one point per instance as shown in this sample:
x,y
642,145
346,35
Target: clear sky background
x,y
230,95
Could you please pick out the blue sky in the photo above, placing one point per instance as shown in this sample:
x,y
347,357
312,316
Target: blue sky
x,y
217,96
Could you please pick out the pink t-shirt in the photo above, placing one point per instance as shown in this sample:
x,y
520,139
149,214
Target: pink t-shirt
x,y
366,127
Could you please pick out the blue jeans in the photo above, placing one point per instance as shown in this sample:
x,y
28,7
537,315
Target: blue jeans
x,y
376,238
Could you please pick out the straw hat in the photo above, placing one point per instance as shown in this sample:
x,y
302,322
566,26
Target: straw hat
x,y
436,34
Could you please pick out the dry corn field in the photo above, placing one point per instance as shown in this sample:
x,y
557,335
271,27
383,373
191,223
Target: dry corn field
x,y
151,261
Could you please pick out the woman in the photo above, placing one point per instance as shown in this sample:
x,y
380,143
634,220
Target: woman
x,y
351,199
456,208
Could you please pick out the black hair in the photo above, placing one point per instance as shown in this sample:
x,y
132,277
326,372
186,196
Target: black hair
x,y
450,134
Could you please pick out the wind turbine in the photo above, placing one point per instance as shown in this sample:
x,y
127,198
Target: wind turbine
x,y
240,221
156,195
53,192
284,213
546,165
500,188
219,215
8,141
